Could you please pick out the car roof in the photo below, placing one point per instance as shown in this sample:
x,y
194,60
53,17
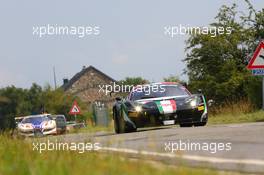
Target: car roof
x,y
166,83
159,83
39,115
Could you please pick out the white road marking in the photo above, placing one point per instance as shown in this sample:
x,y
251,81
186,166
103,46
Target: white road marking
x,y
187,157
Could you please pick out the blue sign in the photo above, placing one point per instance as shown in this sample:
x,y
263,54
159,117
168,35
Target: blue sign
x,y
258,71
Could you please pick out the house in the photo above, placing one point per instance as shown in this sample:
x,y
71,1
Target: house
x,y
86,85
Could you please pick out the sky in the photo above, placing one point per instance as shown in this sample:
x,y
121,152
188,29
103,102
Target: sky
x,y
131,40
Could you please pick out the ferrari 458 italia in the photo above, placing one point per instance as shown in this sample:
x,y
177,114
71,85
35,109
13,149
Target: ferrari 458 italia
x,y
159,104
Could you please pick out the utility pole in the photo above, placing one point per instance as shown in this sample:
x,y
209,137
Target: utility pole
x,y
54,76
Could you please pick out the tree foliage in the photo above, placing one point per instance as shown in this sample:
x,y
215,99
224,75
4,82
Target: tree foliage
x,y
133,81
218,64
172,78
15,102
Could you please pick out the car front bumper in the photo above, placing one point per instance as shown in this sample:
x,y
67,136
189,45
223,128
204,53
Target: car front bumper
x,y
154,118
31,133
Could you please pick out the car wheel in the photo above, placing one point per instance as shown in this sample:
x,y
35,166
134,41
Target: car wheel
x,y
38,134
186,124
200,124
116,126
121,122
132,130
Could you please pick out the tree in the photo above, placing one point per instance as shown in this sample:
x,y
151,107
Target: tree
x,y
133,81
16,102
172,78
35,98
58,102
218,64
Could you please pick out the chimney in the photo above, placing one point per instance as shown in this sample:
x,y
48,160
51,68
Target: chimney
x,y
65,81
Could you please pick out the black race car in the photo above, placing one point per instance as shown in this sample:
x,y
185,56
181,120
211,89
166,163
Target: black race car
x,y
159,104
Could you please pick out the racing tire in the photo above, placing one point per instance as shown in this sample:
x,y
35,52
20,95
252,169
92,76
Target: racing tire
x,y
132,130
116,126
200,124
38,134
120,124
186,124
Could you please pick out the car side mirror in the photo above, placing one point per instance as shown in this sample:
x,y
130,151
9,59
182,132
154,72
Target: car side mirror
x,y
118,98
112,94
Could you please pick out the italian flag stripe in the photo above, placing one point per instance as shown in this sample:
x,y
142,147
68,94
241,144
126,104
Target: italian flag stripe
x,y
173,103
159,107
166,106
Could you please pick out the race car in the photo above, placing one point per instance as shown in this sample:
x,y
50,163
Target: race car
x,y
159,104
37,125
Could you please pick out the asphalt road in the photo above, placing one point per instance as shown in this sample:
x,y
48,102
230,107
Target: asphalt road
x,y
240,147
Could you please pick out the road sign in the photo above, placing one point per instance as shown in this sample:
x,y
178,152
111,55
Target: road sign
x,y
256,64
75,109
258,71
257,61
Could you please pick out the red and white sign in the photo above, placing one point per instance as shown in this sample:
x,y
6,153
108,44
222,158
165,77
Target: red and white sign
x,y
75,109
257,61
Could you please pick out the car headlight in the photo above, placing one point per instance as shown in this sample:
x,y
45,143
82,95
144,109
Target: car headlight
x,y
25,126
138,108
193,103
49,124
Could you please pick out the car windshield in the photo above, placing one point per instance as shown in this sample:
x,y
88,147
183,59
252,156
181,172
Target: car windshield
x,y
35,119
160,91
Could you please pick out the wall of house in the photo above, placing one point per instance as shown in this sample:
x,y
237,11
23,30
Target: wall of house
x,y
87,87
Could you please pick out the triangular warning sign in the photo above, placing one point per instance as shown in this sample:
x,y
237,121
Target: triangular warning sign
x,y
75,109
257,61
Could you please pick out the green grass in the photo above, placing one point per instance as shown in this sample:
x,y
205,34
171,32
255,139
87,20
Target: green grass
x,y
92,129
238,117
18,157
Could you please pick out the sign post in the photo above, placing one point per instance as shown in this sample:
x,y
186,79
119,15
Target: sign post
x,y
256,64
263,92
75,109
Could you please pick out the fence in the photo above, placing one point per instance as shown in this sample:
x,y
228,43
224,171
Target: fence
x,y
100,114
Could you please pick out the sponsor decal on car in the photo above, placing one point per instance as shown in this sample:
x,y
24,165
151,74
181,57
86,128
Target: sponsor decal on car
x,y
200,108
166,106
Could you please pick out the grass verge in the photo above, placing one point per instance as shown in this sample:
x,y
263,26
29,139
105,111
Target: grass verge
x,y
225,118
93,129
18,157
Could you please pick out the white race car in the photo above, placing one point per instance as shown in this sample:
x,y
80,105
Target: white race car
x,y
37,125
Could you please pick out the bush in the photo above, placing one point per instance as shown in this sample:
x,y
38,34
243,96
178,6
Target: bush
x,y
233,108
